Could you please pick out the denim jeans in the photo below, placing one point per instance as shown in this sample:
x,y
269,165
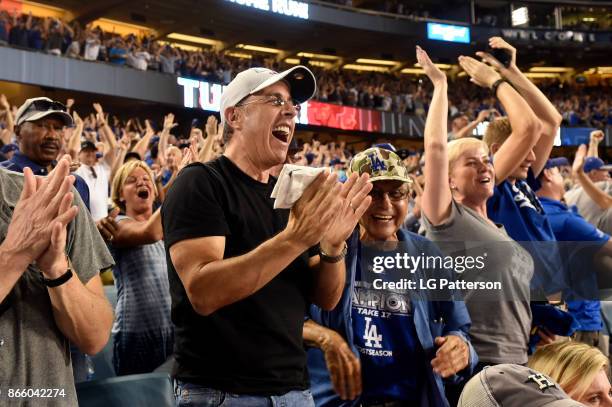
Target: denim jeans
x,y
193,395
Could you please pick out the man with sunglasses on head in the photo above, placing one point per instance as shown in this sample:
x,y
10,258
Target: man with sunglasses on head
x,y
242,273
50,290
39,126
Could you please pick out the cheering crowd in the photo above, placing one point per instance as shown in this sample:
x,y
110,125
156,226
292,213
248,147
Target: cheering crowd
x,y
580,105
255,305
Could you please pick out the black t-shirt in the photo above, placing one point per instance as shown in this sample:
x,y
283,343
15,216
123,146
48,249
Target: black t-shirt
x,y
253,346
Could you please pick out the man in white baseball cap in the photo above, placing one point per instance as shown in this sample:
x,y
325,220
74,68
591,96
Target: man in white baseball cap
x,y
242,273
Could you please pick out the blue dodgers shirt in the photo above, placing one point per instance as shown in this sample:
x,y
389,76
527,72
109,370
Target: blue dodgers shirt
x,y
386,338
569,225
520,211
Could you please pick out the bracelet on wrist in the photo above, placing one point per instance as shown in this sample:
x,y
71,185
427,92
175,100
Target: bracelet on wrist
x,y
58,281
333,259
496,85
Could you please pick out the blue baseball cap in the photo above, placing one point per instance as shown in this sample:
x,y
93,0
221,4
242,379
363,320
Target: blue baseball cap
x,y
556,162
7,148
595,163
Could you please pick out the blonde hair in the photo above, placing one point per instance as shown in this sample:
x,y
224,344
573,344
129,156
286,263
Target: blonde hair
x,y
573,365
459,146
497,131
122,173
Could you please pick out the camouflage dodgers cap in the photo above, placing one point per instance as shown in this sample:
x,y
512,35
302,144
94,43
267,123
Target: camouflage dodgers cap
x,y
508,385
381,164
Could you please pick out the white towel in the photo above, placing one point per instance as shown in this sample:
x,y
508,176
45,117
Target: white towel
x,y
291,183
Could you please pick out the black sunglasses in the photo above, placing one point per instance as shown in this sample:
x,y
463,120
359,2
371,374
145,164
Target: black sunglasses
x,y
45,105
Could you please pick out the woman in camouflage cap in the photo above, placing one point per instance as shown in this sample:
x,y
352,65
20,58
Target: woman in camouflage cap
x,y
405,348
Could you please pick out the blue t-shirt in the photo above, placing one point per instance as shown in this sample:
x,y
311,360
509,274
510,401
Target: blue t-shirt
x,y
520,211
117,56
568,225
386,338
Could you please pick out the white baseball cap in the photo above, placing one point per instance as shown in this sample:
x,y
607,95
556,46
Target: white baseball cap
x,y
36,108
302,85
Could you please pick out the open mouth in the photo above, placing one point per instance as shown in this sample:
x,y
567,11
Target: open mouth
x,y
485,180
382,218
282,133
143,194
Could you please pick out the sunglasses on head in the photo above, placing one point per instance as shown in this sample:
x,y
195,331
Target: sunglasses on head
x,y
45,105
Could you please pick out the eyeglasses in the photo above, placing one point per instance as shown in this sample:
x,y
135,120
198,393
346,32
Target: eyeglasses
x,y
395,196
276,101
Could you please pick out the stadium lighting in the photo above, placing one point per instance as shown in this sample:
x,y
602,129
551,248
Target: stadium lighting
x,y
413,71
368,68
292,61
318,56
589,19
541,75
257,48
440,66
191,38
181,46
376,62
604,69
520,16
240,55
551,69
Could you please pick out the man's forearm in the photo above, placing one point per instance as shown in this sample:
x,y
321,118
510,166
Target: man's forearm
x,y
602,199
224,282
329,281
12,265
593,149
83,316
542,107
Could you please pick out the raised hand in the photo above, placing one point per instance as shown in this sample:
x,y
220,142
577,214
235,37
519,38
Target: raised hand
x,y
44,202
597,136
480,73
433,72
211,126
169,123
4,103
499,43
579,159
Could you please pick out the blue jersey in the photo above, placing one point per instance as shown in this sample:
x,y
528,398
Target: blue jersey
x,y
518,208
568,225
386,338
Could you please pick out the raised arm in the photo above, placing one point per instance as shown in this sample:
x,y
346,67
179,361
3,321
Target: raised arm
x,y
437,197
525,125
107,135
143,144
74,142
169,124
595,138
212,133
544,110
602,199
10,122
467,130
